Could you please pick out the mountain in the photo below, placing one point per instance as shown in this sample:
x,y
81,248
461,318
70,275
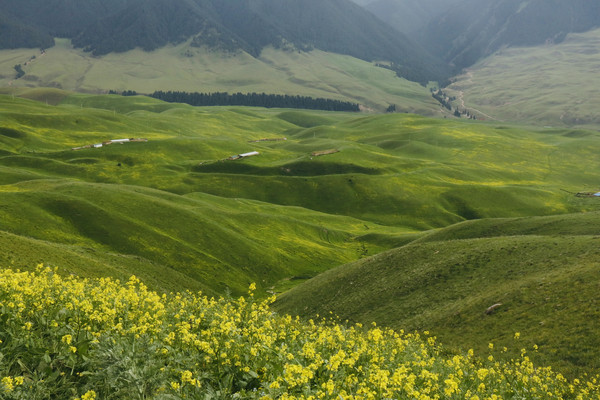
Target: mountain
x,y
183,67
58,18
338,26
409,16
362,2
14,34
474,29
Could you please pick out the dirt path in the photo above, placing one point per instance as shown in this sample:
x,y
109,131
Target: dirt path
x,y
461,98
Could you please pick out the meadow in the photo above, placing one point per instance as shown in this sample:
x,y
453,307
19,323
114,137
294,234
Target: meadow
x,y
394,177
71,338
186,68
458,215
539,275
549,85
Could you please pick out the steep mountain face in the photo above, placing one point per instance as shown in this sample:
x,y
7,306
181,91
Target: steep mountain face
x,y
409,16
148,24
338,26
14,34
362,2
476,28
58,18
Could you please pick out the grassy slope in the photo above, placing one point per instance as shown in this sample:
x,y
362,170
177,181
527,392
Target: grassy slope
x,y
397,170
53,196
316,74
547,85
172,205
218,243
543,270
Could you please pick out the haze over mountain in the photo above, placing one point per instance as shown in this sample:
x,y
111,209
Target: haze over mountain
x,y
408,16
102,27
474,29
465,31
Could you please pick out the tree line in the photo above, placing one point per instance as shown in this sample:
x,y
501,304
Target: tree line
x,y
255,100
19,70
446,100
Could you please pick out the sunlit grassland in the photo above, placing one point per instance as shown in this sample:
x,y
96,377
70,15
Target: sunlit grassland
x,y
54,196
175,212
544,85
71,338
540,272
185,68
216,243
176,203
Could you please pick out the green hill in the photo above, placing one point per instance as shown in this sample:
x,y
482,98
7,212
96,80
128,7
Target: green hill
x,y
64,207
540,272
216,243
325,189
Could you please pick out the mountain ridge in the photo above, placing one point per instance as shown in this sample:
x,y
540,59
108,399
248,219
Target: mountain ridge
x,y
475,29
338,26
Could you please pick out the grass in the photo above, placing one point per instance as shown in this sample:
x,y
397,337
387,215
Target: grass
x,y
218,244
185,68
69,337
546,85
394,176
174,212
542,270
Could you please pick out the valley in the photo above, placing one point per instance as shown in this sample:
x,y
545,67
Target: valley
x,y
175,212
436,237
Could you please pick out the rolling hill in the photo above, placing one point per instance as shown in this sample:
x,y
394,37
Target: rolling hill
x,y
175,203
479,282
326,189
67,206
468,230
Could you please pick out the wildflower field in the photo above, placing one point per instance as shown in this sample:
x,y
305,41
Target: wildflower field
x,y
73,338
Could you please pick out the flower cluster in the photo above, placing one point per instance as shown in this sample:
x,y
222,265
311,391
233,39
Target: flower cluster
x,y
80,339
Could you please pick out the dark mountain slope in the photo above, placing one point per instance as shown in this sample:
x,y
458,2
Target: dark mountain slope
x,y
409,16
59,18
14,34
477,28
148,24
338,26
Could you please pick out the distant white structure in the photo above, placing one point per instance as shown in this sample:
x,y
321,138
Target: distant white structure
x,y
250,154
120,141
239,156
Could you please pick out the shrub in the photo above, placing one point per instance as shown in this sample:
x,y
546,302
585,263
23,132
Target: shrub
x,y
73,338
